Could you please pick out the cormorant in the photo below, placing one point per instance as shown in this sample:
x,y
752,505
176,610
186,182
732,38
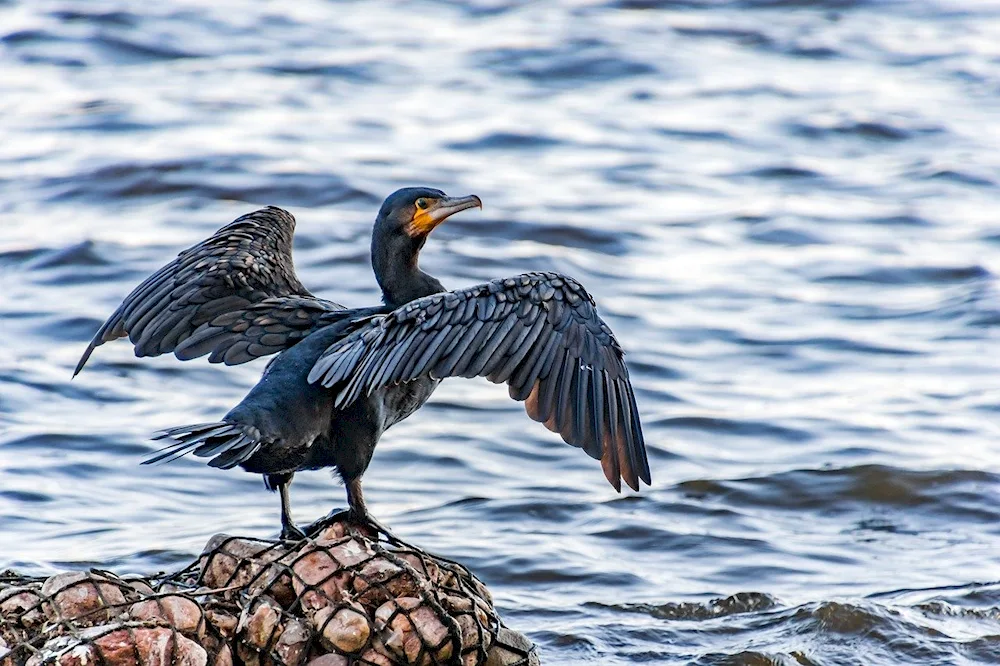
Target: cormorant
x,y
343,376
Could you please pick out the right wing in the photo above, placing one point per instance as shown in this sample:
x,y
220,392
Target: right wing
x,y
537,332
234,295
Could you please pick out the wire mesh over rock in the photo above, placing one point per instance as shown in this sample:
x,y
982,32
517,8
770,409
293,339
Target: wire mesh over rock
x,y
343,597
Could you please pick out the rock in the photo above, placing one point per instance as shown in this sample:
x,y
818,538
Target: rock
x,y
331,534
293,644
83,597
260,628
223,622
182,613
322,574
381,579
224,657
378,655
228,561
154,647
21,605
425,567
406,626
499,655
6,655
472,620
345,629
331,659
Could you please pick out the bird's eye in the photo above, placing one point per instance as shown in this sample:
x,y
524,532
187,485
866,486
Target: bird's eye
x,y
422,203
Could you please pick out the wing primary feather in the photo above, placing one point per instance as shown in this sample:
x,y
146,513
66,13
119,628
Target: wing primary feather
x,y
609,453
620,438
564,394
581,397
638,440
548,391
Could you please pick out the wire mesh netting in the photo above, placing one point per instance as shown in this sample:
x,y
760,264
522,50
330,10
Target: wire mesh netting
x,y
343,597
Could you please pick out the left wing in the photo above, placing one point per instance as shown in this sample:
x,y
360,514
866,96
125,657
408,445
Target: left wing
x,y
538,332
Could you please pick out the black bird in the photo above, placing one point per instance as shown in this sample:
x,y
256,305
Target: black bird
x,y
346,375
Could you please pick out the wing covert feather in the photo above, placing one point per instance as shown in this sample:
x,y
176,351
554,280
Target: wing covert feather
x,y
208,299
538,332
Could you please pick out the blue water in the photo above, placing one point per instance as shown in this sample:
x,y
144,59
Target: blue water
x,y
787,211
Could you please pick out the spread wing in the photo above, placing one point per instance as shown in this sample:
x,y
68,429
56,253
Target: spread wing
x,y
538,332
234,295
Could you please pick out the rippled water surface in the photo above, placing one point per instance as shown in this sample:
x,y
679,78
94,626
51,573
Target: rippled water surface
x,y
787,210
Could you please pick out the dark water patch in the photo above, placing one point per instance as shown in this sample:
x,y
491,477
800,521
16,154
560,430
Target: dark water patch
x,y
20,37
80,254
653,368
777,235
961,178
585,61
547,512
742,602
121,19
363,72
739,428
783,173
911,275
761,90
123,51
591,238
67,329
525,571
22,256
212,178
868,130
741,36
955,493
829,344
25,496
68,442
812,52
751,658
738,4
697,135
506,141
905,220
46,47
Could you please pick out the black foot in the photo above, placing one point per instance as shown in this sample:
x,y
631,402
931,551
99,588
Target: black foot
x,y
351,516
289,532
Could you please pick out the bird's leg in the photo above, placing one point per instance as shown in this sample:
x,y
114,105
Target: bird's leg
x,y
356,500
289,532
358,512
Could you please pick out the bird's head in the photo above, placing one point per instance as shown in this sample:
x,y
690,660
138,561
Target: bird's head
x,y
405,220
415,211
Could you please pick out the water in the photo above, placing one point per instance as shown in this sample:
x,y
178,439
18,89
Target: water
x,y
786,210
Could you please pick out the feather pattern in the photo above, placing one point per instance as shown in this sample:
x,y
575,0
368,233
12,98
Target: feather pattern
x,y
234,296
228,444
539,332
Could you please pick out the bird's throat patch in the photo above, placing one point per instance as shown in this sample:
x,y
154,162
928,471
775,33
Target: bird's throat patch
x,y
421,224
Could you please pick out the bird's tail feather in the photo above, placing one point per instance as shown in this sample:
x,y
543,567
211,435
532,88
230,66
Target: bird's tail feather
x,y
228,444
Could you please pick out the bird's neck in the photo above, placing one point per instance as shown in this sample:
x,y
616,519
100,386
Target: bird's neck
x,y
397,272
